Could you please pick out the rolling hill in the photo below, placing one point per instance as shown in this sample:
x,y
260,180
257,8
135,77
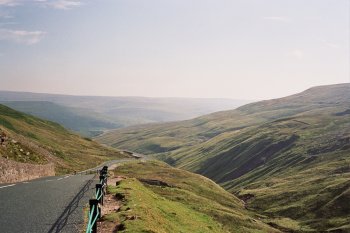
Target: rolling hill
x,y
26,139
190,203
91,115
166,199
288,158
79,120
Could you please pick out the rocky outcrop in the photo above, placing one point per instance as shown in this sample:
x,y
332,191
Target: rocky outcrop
x,y
12,171
22,159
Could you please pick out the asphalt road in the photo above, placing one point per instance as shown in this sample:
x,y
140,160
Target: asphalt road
x,y
50,204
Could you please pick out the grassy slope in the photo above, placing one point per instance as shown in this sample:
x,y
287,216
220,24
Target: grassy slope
x,y
80,120
158,138
49,142
291,154
192,204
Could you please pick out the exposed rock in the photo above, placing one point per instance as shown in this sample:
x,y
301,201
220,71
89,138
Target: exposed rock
x,y
12,171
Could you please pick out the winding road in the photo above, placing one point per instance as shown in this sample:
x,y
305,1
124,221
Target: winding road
x,y
50,204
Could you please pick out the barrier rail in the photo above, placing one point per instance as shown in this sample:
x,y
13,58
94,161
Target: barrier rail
x,y
97,202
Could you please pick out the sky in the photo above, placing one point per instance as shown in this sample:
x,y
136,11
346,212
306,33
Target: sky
x,y
241,49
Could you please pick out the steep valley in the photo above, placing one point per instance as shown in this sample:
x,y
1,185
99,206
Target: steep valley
x,y
288,158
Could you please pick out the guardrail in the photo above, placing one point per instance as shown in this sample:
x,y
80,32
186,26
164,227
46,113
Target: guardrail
x,y
97,202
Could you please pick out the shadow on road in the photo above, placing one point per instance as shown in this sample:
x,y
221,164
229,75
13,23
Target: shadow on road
x,y
73,205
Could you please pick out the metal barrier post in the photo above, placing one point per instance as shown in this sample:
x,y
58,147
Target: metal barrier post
x,y
95,214
102,179
99,193
104,175
95,209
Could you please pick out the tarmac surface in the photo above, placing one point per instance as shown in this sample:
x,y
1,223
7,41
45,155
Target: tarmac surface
x,y
49,204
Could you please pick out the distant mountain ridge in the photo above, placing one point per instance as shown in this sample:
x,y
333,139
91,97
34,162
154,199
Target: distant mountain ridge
x,y
91,115
288,158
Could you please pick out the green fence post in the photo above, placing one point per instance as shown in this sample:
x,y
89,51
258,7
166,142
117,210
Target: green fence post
x,y
95,214
102,179
99,193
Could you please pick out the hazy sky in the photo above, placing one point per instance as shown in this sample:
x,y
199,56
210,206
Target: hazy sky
x,y
246,49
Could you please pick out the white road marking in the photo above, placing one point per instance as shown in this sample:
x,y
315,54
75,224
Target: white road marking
x,y
65,177
7,186
25,182
60,179
49,180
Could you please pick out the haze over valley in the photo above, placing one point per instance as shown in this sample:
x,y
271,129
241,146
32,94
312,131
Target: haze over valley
x,y
175,116
91,115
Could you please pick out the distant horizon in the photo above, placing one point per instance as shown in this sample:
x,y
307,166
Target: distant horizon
x,y
163,97
122,96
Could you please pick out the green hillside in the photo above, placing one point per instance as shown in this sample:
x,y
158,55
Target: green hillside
x,y
79,120
289,158
178,201
165,137
32,140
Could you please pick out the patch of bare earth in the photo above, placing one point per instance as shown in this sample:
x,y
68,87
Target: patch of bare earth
x,y
111,205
